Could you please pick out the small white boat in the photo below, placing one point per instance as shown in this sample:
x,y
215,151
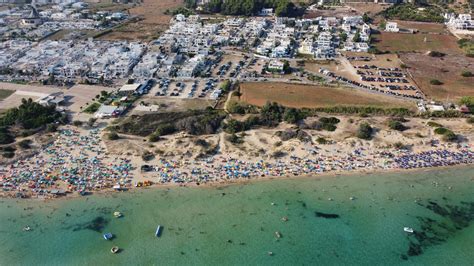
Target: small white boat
x,y
26,228
408,229
277,234
118,214
114,249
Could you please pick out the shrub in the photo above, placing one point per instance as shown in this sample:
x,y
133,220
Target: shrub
x,y
252,121
329,127
271,114
433,124
398,145
450,136
287,134
233,126
436,54
233,138
467,74
292,115
441,130
77,123
470,120
396,125
468,101
25,144
329,120
92,108
8,154
278,154
113,136
148,156
202,143
165,129
435,82
91,121
154,137
51,128
365,131
236,108
6,138
321,140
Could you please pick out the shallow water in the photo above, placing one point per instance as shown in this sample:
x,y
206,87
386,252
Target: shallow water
x,y
236,224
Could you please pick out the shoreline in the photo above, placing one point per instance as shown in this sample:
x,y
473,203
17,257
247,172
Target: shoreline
x,y
82,162
241,181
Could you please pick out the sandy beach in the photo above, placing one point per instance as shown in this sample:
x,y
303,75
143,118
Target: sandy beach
x,y
84,160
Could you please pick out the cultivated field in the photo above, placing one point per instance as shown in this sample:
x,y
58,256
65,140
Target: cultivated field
x,y
404,42
293,95
447,69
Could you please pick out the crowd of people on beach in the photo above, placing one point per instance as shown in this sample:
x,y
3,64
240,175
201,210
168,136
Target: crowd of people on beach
x,y
79,162
227,168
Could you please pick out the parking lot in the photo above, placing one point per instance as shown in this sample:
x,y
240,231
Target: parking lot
x,y
188,89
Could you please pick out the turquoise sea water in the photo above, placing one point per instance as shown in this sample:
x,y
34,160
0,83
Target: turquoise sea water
x,y
236,224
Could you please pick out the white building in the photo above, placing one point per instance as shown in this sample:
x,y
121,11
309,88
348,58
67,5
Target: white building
x,y
392,27
462,22
266,12
276,65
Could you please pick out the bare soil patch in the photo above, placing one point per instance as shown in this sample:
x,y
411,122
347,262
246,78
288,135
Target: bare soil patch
x,y
447,69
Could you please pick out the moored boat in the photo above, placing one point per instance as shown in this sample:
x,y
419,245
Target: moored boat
x,y
115,249
108,236
158,231
277,234
408,229
118,214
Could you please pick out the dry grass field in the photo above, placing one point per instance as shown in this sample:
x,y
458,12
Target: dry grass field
x,y
5,93
447,69
369,8
151,21
422,27
294,95
404,42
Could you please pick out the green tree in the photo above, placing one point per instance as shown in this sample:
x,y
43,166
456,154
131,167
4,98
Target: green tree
x,y
343,36
356,37
366,18
214,6
467,74
284,8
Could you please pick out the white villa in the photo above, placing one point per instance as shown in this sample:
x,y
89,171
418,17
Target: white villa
x,y
392,27
462,22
